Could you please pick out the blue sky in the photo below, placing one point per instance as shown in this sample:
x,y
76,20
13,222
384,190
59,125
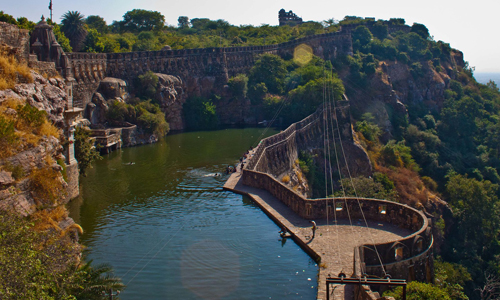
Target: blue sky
x,y
469,26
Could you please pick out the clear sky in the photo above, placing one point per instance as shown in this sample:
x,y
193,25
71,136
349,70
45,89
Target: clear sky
x,y
469,26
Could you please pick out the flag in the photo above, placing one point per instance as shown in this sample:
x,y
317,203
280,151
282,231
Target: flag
x,y
50,5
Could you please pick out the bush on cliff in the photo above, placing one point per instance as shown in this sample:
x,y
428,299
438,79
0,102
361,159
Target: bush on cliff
x,y
85,153
200,114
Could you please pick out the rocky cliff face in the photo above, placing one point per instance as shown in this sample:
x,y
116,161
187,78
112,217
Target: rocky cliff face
x,y
171,96
45,94
394,87
16,180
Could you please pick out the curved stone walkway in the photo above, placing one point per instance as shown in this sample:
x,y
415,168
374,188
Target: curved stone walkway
x,y
333,244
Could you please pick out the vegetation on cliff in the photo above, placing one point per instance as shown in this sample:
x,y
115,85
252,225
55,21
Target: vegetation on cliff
x,y
39,254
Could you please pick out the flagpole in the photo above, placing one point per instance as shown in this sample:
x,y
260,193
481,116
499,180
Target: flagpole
x,y
50,7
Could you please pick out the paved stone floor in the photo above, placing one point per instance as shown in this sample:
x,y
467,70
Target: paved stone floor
x,y
333,243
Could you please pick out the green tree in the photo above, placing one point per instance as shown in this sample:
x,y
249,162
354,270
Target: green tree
x,y
7,18
421,30
93,42
73,26
380,30
147,84
97,23
33,263
238,86
419,291
271,70
361,36
472,240
143,20
85,153
183,22
200,114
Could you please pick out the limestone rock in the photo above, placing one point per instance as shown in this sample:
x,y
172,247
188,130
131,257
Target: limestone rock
x,y
48,95
6,178
171,96
112,88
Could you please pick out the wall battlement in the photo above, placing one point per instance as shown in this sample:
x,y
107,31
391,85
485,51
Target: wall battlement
x,y
409,258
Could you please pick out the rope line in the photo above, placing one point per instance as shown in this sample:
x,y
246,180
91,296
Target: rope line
x,y
355,192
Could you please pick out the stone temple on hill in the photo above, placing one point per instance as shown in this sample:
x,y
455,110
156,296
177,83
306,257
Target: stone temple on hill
x,y
289,18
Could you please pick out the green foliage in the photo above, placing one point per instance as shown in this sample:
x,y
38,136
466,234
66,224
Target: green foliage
x,y
367,188
7,18
361,36
271,70
183,22
73,27
30,115
138,20
472,240
238,86
380,30
85,153
451,277
200,114
305,99
398,155
369,130
33,263
144,113
421,30
97,23
419,291
93,42
7,131
94,279
41,265
147,84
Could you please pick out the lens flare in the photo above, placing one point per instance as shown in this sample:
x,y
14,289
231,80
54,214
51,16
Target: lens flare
x,y
302,54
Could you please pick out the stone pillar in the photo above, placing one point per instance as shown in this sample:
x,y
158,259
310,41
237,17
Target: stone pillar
x,y
70,114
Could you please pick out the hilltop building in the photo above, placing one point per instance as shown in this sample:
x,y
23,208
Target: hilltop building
x,y
289,18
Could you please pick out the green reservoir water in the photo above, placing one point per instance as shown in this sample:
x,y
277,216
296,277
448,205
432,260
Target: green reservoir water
x,y
170,231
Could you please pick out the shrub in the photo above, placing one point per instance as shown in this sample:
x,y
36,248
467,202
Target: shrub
x,y
419,291
200,114
85,153
11,69
238,85
45,185
285,179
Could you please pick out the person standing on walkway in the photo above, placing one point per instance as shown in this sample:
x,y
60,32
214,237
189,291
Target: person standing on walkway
x,y
314,227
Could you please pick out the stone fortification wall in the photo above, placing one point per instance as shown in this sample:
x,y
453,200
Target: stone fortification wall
x,y
276,154
207,68
88,69
408,258
16,39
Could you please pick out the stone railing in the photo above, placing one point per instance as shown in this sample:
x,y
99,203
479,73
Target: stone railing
x,y
407,258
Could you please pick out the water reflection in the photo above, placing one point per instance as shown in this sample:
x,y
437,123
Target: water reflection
x,y
170,231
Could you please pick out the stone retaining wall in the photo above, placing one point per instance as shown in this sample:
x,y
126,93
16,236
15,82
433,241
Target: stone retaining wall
x,y
408,258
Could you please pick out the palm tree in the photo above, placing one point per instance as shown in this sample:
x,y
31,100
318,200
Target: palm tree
x,y
73,26
92,280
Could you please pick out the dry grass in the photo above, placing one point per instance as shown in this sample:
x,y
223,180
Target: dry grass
x,y
49,218
23,133
411,190
11,71
46,186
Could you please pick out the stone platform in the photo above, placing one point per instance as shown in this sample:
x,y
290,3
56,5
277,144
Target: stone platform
x,y
334,242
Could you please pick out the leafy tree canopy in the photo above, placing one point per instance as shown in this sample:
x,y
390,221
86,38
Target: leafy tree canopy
x,y
138,20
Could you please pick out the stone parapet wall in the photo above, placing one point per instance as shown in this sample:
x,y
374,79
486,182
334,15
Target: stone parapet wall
x,y
16,39
408,258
